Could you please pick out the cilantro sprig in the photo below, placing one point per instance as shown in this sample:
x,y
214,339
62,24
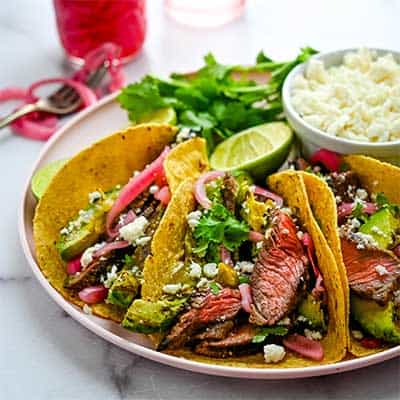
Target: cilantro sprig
x,y
211,102
263,333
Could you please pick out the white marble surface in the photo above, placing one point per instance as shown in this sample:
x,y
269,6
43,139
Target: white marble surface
x,y
44,354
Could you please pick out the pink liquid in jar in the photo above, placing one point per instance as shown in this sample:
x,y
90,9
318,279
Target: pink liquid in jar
x,y
83,25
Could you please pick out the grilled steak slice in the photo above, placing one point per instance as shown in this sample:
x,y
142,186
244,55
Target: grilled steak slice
x,y
232,344
229,191
216,332
278,273
343,184
372,274
214,308
88,277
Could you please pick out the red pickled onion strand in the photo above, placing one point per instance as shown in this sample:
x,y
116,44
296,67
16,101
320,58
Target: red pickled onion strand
x,y
134,188
12,93
225,255
200,189
370,208
329,159
269,195
304,346
371,343
74,266
163,195
345,209
93,294
129,217
309,245
247,299
35,127
161,180
87,95
319,288
117,78
396,250
256,236
109,247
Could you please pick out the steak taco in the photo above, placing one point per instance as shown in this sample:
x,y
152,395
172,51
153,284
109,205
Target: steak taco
x,y
97,220
359,213
239,275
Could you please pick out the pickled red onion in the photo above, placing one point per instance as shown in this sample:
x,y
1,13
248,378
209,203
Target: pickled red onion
x,y
93,294
74,266
247,298
329,159
309,245
225,255
163,195
109,247
345,209
269,195
134,188
200,189
305,347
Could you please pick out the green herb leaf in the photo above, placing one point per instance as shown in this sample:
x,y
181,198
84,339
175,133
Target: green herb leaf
x,y
358,212
383,202
215,288
263,333
244,279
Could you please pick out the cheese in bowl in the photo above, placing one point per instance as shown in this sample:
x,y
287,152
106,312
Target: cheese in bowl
x,y
357,100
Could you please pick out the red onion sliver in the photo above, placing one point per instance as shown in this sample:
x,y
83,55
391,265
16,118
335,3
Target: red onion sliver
x,y
329,159
269,195
370,208
305,347
13,93
74,266
163,195
345,209
256,236
225,255
134,188
109,247
247,299
309,245
200,189
93,294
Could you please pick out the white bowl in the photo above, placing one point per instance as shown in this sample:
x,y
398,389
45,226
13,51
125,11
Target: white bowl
x,y
313,138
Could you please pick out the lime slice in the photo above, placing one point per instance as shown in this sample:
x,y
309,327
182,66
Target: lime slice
x,y
43,176
161,116
259,150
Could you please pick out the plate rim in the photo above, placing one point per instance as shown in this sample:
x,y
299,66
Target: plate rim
x,y
166,359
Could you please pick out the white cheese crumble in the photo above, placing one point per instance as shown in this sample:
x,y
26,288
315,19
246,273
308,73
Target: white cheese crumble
x,y
299,235
273,353
194,270
94,196
313,335
202,283
87,309
244,267
361,194
284,321
136,173
193,218
87,256
210,270
111,277
363,240
381,270
153,189
142,240
359,99
184,134
357,334
172,288
134,230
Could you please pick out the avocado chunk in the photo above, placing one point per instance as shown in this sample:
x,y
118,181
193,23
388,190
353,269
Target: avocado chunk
x,y
85,229
378,321
312,310
124,289
382,227
145,316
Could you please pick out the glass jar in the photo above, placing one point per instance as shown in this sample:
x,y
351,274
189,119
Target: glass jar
x,y
83,25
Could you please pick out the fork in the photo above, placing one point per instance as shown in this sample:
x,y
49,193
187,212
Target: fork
x,y
63,101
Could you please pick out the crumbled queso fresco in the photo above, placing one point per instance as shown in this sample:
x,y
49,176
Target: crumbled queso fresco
x,y
358,100
133,231
273,353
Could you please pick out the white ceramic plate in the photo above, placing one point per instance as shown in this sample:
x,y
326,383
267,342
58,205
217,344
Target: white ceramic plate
x,y
90,125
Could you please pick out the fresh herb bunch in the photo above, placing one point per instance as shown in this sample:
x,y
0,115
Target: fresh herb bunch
x,y
211,102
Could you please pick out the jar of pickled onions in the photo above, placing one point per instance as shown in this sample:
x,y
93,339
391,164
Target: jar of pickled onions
x,y
84,25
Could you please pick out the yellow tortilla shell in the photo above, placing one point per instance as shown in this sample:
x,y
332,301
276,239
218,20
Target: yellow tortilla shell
x,y
188,160
103,165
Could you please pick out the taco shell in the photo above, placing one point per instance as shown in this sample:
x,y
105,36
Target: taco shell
x,y
103,165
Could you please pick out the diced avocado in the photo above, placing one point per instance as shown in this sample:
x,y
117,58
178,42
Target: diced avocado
x,y
382,227
124,289
227,276
378,321
152,316
312,310
85,230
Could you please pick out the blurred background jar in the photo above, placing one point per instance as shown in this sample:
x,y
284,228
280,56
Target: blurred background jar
x,y
84,25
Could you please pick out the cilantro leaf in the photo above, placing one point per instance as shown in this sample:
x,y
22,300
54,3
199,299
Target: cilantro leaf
x,y
244,279
214,287
358,212
263,333
383,202
219,226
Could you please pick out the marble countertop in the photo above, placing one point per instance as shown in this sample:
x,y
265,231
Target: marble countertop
x,y
44,354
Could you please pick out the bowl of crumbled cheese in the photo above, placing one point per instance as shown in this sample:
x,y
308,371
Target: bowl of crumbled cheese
x,y
347,101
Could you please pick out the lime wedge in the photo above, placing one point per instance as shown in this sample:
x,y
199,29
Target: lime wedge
x,y
43,176
161,116
258,150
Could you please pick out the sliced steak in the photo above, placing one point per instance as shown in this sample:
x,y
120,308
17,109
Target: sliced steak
x,y
221,307
343,184
278,273
229,191
372,274
215,332
90,276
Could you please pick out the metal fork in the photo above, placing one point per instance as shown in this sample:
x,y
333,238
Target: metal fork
x,y
63,101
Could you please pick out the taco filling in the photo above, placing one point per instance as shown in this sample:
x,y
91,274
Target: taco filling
x,y
249,279
369,231
105,245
